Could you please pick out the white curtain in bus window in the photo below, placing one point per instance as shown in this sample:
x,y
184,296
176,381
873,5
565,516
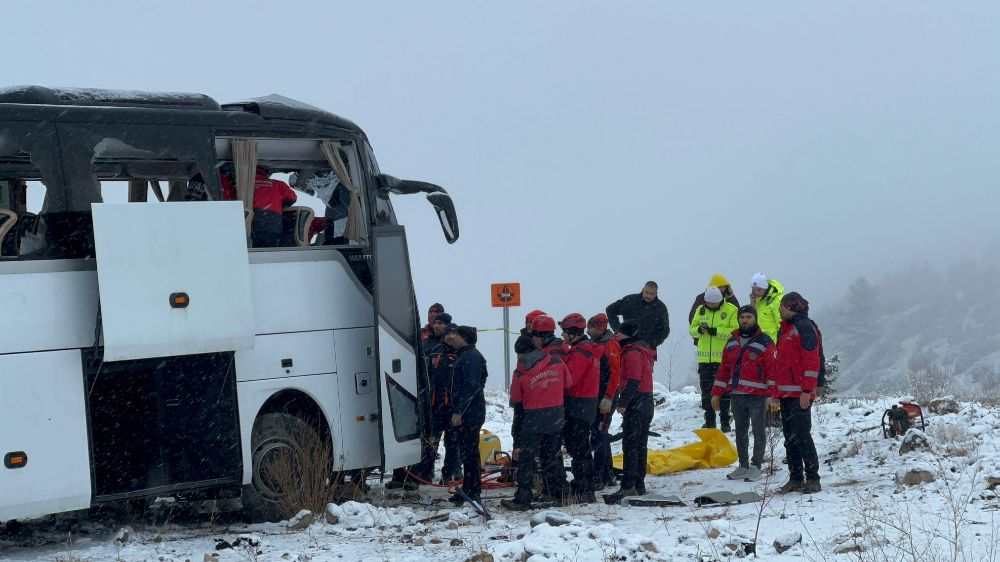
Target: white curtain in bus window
x,y
354,228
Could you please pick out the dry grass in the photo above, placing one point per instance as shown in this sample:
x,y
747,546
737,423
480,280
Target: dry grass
x,y
306,478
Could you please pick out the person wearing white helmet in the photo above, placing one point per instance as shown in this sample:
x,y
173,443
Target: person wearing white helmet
x,y
765,296
712,324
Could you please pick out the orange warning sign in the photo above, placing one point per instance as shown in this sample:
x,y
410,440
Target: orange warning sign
x,y
505,295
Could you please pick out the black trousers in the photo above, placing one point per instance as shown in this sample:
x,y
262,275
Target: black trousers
x,y
748,410
468,441
796,424
602,445
706,379
635,437
576,433
546,448
452,453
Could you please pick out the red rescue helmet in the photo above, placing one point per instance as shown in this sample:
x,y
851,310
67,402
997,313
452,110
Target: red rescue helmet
x,y
574,321
531,316
543,324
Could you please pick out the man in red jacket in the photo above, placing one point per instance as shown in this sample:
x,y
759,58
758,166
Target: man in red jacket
x,y
270,199
538,386
611,371
748,363
636,407
794,381
584,363
543,335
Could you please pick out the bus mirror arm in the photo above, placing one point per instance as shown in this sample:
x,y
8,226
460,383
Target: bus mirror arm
x,y
436,195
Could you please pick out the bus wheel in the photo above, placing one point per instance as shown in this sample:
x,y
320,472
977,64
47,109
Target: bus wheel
x,y
288,458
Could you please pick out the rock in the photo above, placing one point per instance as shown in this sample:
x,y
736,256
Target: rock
x,y
914,440
552,517
211,558
714,532
649,546
455,542
914,476
124,535
481,557
301,521
943,406
436,540
786,541
452,525
419,542
992,482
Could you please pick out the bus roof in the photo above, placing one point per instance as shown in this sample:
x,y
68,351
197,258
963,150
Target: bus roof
x,y
38,101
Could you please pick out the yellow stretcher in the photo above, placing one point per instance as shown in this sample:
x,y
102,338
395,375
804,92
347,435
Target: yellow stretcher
x,y
714,450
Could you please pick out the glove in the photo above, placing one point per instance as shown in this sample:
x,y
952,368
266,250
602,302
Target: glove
x,y
701,329
715,404
712,331
773,405
605,406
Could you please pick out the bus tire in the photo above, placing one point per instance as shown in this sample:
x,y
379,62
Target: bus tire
x,y
287,441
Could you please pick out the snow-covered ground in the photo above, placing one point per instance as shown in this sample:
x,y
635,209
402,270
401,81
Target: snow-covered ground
x,y
861,514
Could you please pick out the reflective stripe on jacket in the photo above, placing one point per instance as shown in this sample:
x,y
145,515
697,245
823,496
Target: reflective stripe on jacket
x,y
723,320
747,362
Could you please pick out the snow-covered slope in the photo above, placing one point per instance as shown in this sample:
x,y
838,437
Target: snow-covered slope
x,y
860,507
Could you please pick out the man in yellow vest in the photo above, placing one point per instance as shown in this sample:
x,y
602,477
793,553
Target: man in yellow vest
x,y
765,296
712,324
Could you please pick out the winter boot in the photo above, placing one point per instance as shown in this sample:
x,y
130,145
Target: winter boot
x,y
738,474
791,486
515,505
753,474
616,498
395,485
585,497
811,487
709,420
411,486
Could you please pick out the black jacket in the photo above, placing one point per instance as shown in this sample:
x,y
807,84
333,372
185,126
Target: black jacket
x,y
467,386
440,365
654,322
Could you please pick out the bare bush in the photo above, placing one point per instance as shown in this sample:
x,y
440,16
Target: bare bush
x,y
926,382
304,475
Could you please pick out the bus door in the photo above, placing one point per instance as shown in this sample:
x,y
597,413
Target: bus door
x,y
175,304
398,350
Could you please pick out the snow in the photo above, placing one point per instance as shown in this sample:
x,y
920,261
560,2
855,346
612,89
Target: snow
x,y
861,507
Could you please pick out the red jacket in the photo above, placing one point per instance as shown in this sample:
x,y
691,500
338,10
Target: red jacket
x,y
584,362
542,385
637,365
271,195
555,347
613,359
538,386
798,362
750,360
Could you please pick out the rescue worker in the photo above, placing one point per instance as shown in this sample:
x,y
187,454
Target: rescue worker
x,y
515,429
584,362
712,324
428,330
611,370
765,296
543,330
468,406
270,199
717,280
636,407
440,361
795,379
748,362
538,385
647,310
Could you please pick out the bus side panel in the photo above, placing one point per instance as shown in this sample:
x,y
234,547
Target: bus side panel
x,y
359,408
43,414
47,310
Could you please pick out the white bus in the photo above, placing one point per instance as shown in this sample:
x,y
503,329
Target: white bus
x,y
154,346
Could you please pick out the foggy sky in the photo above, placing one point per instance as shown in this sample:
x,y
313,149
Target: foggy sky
x,y
591,146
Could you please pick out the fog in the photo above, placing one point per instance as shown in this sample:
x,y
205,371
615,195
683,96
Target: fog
x,y
590,147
